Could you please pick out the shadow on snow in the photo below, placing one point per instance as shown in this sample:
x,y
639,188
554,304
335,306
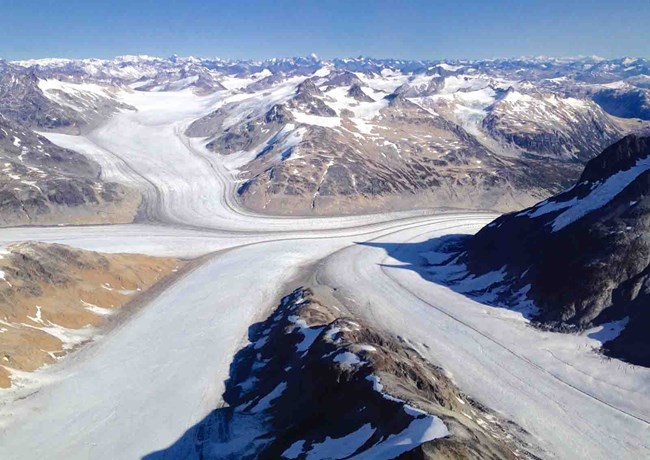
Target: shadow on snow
x,y
434,260
214,431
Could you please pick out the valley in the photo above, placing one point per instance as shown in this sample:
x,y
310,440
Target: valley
x,y
334,177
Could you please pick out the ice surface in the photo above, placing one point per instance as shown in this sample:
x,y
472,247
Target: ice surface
x,y
494,354
608,331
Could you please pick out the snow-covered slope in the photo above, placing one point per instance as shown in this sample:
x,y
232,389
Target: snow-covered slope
x,y
550,125
556,386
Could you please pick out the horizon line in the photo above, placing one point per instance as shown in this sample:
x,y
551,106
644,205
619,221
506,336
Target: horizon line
x,y
316,58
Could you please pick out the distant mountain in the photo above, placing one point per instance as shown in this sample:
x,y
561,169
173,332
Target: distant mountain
x,y
310,136
463,135
22,101
43,183
583,256
550,125
47,105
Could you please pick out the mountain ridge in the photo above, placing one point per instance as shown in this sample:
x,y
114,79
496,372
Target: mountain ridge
x,y
581,257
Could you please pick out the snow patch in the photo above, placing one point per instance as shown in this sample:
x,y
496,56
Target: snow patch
x,y
316,120
266,401
341,447
608,331
601,194
347,359
294,450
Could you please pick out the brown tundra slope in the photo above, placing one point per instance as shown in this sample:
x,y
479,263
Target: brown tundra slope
x,y
53,298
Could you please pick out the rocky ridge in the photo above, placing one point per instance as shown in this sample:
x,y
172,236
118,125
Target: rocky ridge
x,y
312,136
346,141
315,383
582,256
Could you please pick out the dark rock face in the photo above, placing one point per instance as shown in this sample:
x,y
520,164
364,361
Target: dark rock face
x,y
278,114
586,252
67,193
308,87
357,93
618,157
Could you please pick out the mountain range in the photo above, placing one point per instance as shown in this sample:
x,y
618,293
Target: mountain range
x,y
318,137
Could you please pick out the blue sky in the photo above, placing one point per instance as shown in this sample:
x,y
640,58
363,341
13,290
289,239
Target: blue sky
x,y
416,29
